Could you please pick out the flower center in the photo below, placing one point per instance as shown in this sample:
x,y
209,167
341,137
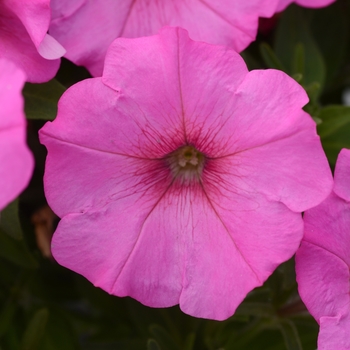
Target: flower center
x,y
186,163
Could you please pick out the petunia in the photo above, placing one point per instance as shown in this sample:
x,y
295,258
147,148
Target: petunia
x,y
283,4
323,261
24,39
179,175
16,161
87,27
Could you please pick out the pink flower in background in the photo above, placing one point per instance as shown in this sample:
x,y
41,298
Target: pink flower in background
x,y
87,27
24,39
323,261
283,4
16,161
179,175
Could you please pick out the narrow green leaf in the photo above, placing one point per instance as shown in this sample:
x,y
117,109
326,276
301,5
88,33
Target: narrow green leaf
x,y
153,345
333,118
41,99
270,58
16,251
290,335
334,130
292,33
9,221
313,90
297,77
35,330
334,51
299,59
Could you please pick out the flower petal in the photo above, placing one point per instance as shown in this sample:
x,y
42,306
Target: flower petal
x,y
284,156
266,104
323,281
334,333
139,68
239,243
282,5
50,48
342,175
35,16
18,46
322,264
16,162
133,227
288,170
177,248
227,22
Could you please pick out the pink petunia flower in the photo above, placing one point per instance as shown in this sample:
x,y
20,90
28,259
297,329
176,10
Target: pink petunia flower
x,y
16,161
24,39
323,261
283,4
179,175
87,27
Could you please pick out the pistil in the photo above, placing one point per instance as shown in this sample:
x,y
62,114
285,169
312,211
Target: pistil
x,y
186,163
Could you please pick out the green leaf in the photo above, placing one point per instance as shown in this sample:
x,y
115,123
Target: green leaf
x,y
334,130
251,61
334,118
290,335
9,221
35,330
152,345
327,24
297,49
299,59
16,251
41,99
270,58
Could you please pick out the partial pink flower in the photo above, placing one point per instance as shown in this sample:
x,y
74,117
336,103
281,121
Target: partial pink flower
x,y
16,161
179,175
283,4
24,39
87,27
323,261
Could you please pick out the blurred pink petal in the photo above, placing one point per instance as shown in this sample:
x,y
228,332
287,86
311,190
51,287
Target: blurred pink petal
x,y
50,48
16,162
87,27
323,260
342,176
283,4
179,176
24,39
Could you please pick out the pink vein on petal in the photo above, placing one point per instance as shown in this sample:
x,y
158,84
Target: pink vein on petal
x,y
97,150
126,18
327,250
225,19
140,232
226,229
